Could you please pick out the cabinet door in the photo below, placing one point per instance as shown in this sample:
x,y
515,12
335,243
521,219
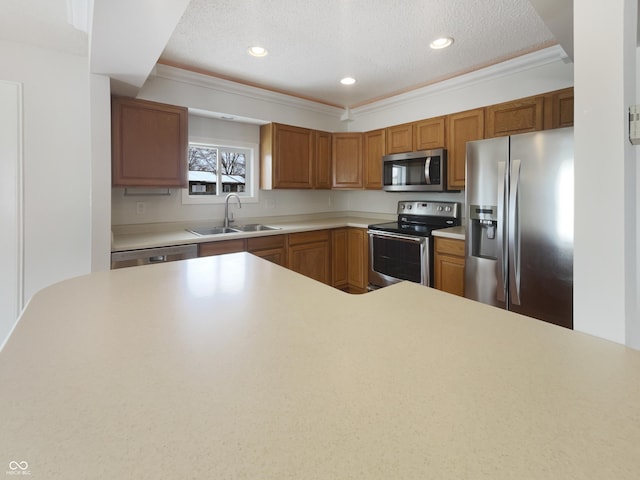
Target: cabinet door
x,y
558,109
450,274
311,260
462,127
347,160
339,256
429,134
322,160
149,144
400,138
521,116
286,157
374,148
449,265
358,260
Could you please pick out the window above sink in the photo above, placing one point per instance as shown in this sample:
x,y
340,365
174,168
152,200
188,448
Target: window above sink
x,y
217,168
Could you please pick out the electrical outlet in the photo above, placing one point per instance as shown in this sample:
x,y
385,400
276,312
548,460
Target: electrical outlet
x,y
141,208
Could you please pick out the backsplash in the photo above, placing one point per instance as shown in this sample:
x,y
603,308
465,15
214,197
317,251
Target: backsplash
x,y
131,210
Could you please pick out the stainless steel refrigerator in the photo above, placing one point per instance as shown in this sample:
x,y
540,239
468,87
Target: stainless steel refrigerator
x,y
519,218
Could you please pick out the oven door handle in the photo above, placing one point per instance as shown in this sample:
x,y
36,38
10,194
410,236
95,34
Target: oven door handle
x,y
398,236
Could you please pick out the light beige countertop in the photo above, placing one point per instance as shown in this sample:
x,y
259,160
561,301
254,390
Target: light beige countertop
x,y
132,237
233,367
457,233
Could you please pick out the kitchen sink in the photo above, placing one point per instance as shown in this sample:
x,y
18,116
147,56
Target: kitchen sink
x,y
251,227
255,227
212,230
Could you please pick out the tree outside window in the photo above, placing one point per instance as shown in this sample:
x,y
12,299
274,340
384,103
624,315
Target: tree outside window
x,y
216,170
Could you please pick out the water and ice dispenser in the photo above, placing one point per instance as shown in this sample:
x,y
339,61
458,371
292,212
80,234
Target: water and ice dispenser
x,y
484,231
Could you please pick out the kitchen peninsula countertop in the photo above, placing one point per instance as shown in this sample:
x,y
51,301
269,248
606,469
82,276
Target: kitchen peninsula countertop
x,y
233,367
133,237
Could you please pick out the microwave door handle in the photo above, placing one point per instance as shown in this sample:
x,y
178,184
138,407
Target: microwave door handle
x,y
427,168
500,260
514,235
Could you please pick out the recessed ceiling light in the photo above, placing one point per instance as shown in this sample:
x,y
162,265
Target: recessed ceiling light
x,y
348,81
258,51
442,42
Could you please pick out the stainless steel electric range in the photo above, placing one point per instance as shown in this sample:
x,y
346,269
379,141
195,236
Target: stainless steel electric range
x,y
403,250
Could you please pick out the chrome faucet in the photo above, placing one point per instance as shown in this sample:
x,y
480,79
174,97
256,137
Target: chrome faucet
x,y
226,208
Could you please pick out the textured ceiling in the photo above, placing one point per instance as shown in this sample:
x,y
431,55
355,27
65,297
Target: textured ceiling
x,y
384,44
312,43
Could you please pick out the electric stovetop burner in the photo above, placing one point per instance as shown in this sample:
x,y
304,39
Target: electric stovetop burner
x,y
420,218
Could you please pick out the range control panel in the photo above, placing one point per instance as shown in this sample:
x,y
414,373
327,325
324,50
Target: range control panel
x,y
439,209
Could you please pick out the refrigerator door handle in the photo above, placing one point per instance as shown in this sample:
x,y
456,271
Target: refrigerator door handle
x,y
500,260
514,230
427,171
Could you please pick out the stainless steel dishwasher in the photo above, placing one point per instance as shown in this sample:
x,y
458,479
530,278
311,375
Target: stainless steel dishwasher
x,y
145,256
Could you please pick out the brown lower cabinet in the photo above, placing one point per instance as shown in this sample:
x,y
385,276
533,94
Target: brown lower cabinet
x,y
358,260
310,254
350,247
272,248
338,257
220,248
449,265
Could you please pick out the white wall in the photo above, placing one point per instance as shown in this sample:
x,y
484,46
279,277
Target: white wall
x,y
11,217
57,162
606,216
100,102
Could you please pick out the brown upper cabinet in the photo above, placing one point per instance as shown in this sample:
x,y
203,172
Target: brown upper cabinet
x,y
374,148
293,157
322,160
347,167
421,135
400,138
149,143
558,109
286,156
462,127
510,118
429,134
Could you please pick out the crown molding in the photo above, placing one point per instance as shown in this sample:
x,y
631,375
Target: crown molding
x,y
233,88
536,59
522,63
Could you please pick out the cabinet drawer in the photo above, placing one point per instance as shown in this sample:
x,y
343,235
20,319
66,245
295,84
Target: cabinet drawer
x,y
265,243
309,237
219,248
450,246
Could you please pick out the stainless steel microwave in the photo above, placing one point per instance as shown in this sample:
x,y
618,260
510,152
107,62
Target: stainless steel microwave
x,y
423,171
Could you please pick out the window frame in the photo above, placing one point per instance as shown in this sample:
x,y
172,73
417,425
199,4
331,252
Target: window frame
x,y
252,172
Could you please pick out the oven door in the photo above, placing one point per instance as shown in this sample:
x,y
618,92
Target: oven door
x,y
394,257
